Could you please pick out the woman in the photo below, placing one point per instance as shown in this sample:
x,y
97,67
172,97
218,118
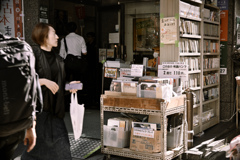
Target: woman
x,y
52,137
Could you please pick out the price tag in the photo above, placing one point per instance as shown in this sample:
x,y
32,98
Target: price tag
x,y
223,70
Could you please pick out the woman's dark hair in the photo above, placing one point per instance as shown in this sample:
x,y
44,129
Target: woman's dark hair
x,y
40,33
71,27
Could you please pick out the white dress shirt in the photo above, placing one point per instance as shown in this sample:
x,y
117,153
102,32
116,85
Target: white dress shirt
x,y
76,45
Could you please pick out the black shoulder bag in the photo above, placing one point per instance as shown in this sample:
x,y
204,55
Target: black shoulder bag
x,y
76,63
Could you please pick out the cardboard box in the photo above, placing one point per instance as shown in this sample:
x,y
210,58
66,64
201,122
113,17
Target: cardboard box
x,y
115,136
145,144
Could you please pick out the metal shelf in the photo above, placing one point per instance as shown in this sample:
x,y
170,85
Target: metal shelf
x,y
163,113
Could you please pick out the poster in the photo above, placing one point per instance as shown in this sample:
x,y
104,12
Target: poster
x,y
223,5
168,28
145,34
11,19
110,72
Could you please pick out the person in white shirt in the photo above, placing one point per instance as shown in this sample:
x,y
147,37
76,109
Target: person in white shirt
x,y
76,46
71,51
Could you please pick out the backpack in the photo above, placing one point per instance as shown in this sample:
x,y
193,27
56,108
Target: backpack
x,y
20,91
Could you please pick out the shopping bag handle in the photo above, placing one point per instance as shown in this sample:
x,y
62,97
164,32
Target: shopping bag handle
x,y
74,98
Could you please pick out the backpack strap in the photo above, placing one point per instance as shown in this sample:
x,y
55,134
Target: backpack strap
x,y
65,43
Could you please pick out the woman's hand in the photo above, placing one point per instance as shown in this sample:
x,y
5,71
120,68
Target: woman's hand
x,y
49,84
74,90
30,138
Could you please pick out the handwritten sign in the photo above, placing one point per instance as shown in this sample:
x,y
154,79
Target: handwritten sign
x,y
168,28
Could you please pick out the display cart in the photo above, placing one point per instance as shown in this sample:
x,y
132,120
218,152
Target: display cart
x,y
163,110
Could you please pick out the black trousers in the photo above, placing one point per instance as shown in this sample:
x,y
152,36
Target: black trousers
x,y
9,144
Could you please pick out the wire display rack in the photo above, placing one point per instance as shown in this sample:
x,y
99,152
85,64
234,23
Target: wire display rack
x,y
162,113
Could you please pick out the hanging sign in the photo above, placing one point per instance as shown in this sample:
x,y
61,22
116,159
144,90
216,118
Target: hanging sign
x,y
223,5
11,18
43,14
168,28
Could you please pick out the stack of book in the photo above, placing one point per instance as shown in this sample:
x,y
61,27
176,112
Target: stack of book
x,y
211,30
210,46
189,27
210,79
188,46
192,62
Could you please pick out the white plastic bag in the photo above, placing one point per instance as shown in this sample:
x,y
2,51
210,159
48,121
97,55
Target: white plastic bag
x,y
77,114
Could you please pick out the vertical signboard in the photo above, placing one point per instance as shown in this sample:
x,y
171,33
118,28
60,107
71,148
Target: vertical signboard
x,y
11,18
223,5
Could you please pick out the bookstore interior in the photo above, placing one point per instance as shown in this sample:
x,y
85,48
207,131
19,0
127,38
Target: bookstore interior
x,y
175,48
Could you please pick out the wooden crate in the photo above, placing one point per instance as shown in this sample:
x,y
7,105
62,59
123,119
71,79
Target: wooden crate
x,y
130,101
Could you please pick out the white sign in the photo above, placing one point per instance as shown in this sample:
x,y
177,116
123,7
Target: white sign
x,y
223,70
113,37
143,132
168,28
11,18
137,70
173,70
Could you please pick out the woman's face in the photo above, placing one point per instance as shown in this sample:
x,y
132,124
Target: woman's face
x,y
52,40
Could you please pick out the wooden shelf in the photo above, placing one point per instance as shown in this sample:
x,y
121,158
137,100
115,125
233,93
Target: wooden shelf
x,y
211,38
191,18
174,55
190,54
213,121
211,85
198,2
211,69
211,54
190,36
210,101
195,88
211,22
209,6
194,72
